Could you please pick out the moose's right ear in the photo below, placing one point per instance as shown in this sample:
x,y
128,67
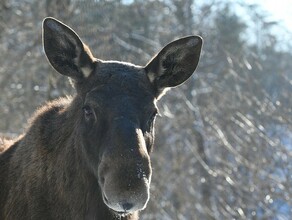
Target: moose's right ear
x,y
65,50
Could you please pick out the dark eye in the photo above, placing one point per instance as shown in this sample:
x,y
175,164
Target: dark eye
x,y
88,112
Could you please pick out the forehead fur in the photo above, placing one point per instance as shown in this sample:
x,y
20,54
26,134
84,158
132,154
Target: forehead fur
x,y
121,77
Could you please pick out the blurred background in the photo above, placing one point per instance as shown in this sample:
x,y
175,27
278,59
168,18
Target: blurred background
x,y
224,141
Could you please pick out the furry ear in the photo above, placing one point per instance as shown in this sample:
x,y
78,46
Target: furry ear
x,y
65,50
175,63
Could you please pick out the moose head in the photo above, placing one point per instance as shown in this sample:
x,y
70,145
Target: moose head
x,y
115,109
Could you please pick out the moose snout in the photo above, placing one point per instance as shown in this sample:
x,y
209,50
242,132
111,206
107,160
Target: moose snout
x,y
125,189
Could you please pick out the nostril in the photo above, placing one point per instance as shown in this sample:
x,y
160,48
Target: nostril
x,y
105,199
127,206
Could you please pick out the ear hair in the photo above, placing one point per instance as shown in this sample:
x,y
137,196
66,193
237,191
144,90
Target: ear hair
x,y
65,50
175,63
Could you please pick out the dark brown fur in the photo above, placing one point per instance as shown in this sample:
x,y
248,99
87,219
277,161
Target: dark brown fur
x,y
87,157
57,179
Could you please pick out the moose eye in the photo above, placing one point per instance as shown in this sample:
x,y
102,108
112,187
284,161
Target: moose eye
x,y
88,112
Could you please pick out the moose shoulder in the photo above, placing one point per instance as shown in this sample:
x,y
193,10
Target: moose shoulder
x,y
88,157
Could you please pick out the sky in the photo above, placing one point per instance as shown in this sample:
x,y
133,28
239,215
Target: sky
x,y
280,10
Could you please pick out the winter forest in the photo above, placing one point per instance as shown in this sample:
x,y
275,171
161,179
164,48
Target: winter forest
x,y
223,147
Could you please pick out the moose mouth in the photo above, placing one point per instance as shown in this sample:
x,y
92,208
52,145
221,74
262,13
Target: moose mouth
x,y
120,213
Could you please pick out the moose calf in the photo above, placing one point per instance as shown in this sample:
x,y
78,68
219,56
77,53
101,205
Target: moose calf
x,y
88,157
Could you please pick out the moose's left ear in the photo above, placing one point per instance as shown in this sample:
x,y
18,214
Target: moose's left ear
x,y
175,63
65,50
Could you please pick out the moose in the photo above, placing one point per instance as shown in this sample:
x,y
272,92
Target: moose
x,y
88,156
